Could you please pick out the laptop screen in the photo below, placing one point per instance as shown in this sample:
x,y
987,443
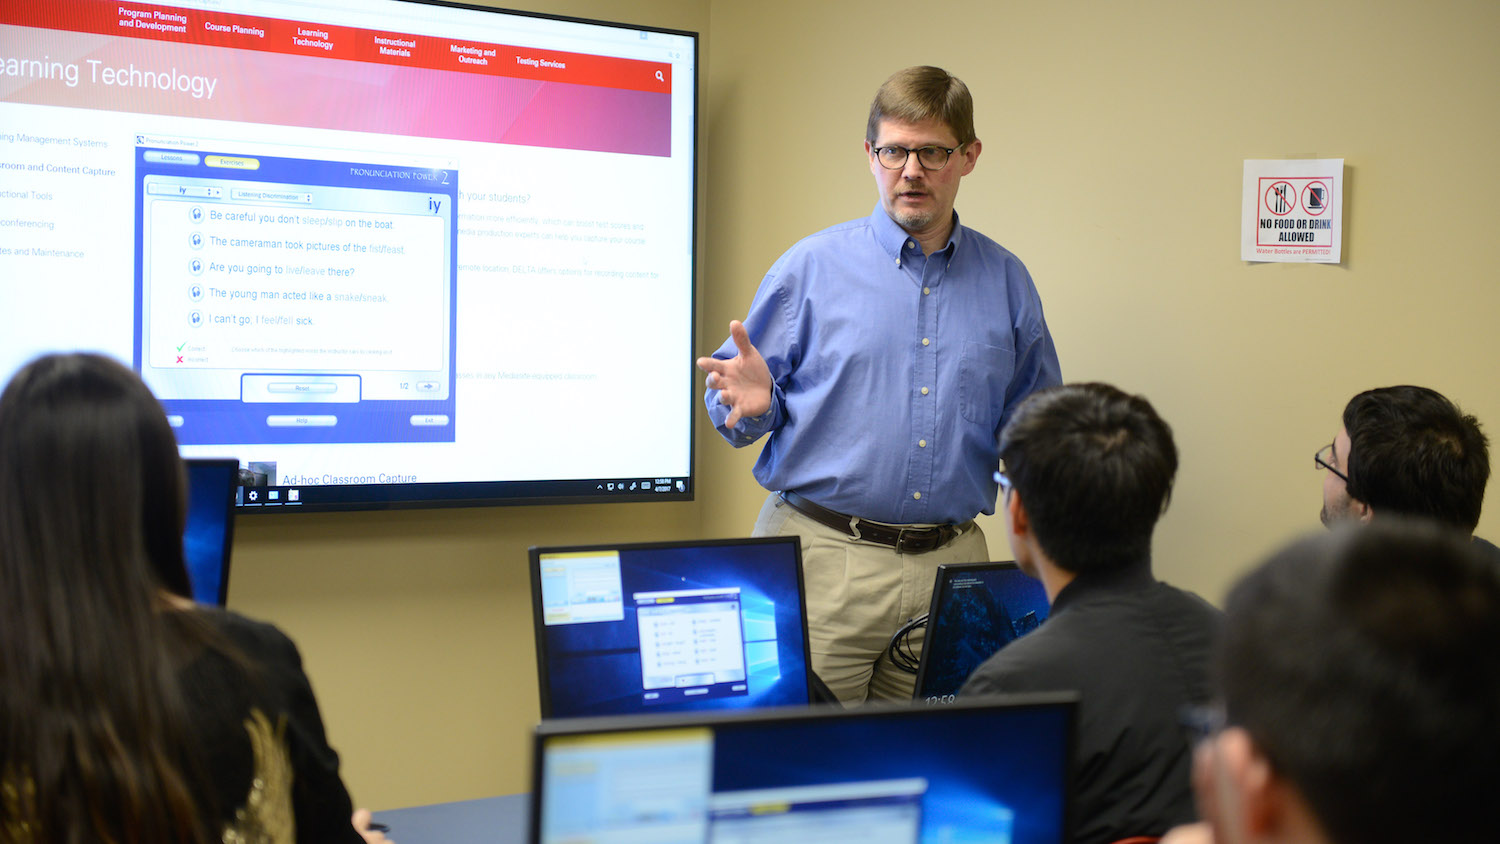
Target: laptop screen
x,y
209,534
977,609
668,627
994,771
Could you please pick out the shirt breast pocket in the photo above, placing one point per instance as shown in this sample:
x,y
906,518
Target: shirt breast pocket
x,y
984,373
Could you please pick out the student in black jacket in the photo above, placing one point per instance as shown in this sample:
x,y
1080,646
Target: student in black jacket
x,y
1087,472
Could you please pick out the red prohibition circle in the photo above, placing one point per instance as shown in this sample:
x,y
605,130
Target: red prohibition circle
x,y
1289,198
1306,189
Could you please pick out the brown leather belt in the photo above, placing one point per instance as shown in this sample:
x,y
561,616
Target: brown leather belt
x,y
905,540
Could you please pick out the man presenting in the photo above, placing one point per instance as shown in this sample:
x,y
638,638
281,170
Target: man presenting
x,y
882,356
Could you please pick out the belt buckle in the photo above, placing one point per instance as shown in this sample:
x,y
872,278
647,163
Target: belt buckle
x,y
901,542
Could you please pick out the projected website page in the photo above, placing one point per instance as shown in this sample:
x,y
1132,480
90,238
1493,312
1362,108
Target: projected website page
x,y
360,245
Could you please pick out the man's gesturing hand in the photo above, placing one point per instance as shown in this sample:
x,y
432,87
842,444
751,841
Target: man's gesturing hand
x,y
743,381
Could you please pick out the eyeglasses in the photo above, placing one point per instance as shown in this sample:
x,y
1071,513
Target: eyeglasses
x,y
1004,481
1324,460
931,158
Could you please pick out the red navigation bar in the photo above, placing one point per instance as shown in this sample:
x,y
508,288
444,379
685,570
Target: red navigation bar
x,y
247,32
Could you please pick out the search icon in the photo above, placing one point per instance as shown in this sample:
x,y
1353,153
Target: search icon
x,y
659,77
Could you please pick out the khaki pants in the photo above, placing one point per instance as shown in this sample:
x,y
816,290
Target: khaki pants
x,y
858,595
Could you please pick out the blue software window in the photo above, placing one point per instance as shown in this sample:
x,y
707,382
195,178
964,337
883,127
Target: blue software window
x,y
295,299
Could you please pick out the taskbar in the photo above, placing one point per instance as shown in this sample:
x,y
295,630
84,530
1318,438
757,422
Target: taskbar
x,y
315,497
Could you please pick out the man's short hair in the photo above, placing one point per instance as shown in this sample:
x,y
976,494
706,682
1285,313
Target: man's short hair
x,y
1365,665
1094,469
1413,452
923,93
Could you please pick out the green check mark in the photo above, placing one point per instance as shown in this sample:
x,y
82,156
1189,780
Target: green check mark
x,y
184,343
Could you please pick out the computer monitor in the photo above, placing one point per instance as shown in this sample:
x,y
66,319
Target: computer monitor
x,y
670,626
995,771
369,248
977,609
209,534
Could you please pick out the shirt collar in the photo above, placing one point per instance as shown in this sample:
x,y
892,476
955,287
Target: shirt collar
x,y
1132,577
892,238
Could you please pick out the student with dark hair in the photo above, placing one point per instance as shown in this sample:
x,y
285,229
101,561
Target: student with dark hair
x,y
1360,679
1088,470
127,713
1406,451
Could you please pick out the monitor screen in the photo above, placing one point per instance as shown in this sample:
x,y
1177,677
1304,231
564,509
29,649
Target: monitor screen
x,y
977,609
666,627
994,772
209,534
383,252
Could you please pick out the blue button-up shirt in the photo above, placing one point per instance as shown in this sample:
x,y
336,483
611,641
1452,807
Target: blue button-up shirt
x,y
894,371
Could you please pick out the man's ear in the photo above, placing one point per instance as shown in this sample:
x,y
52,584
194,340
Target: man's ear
x,y
1015,511
971,155
1361,509
1268,805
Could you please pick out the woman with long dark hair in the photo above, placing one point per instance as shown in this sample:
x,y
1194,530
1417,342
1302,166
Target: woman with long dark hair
x,y
127,713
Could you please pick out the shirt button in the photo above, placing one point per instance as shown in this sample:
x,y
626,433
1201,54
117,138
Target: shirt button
x,y
916,495
926,290
921,443
925,341
924,391
898,262
910,245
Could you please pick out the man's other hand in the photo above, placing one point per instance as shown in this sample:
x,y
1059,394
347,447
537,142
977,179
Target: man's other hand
x,y
743,381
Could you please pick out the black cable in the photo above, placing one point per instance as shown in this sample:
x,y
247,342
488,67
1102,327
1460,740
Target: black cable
x,y
900,650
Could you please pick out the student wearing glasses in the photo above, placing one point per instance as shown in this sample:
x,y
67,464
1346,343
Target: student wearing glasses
x,y
1088,472
1407,451
880,359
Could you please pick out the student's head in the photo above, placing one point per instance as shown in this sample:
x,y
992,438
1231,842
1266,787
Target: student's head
x,y
91,498
1360,679
1092,468
1406,451
88,462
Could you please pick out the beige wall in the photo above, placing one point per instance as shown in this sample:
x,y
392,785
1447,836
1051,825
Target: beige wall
x,y
1114,135
1114,138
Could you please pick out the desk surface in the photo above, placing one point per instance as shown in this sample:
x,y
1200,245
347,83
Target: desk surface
x,y
491,820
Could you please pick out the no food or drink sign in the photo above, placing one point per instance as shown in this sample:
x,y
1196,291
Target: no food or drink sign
x,y
1293,210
